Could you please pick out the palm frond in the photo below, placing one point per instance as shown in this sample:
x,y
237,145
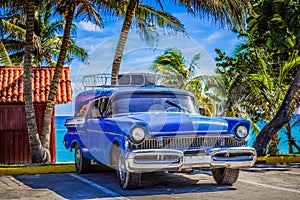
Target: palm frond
x,y
13,30
4,56
230,13
77,52
87,12
158,18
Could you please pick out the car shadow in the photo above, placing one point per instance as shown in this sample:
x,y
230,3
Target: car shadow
x,y
162,183
156,183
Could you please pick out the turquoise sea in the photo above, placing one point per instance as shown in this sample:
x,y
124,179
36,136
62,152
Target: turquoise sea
x,y
63,155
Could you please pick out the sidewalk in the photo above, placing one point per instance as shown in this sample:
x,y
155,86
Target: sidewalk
x,y
10,188
70,167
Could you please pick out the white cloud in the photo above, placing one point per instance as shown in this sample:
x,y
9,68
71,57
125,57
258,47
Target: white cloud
x,y
88,26
215,36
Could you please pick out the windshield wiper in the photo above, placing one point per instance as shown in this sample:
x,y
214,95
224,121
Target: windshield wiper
x,y
177,106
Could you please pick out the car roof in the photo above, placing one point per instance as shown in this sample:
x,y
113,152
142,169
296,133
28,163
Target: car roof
x,y
115,90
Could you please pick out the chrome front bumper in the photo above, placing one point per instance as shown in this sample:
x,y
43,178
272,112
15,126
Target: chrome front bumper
x,y
168,159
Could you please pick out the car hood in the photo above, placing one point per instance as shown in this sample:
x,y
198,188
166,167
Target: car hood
x,y
179,123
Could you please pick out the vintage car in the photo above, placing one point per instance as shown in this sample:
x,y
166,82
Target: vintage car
x,y
143,127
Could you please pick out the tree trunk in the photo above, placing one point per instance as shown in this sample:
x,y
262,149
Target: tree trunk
x,y
45,137
37,153
289,136
122,40
281,118
273,147
291,141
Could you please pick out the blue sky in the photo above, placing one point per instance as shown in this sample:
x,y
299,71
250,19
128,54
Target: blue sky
x,y
203,36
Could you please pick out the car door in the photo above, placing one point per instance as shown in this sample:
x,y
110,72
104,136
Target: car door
x,y
95,131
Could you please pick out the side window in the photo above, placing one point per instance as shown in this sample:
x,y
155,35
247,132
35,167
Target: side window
x,y
98,107
94,109
103,104
81,111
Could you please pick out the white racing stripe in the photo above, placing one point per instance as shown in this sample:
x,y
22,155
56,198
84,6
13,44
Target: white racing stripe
x,y
99,187
254,183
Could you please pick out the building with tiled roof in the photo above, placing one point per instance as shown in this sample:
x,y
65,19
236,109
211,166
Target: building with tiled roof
x,y
11,85
14,142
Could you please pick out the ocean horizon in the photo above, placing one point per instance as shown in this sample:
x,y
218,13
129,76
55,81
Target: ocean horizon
x,y
64,155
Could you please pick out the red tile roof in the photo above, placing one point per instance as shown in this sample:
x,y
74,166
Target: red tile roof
x,y
11,85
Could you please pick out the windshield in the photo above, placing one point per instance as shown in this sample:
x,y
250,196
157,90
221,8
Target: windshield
x,y
153,102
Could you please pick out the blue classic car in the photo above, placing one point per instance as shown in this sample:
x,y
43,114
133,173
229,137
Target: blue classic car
x,y
142,127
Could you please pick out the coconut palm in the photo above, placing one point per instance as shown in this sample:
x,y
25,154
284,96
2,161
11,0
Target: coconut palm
x,y
274,25
147,18
68,9
228,12
38,154
46,38
172,62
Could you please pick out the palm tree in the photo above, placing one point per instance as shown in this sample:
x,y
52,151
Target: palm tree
x,y
228,12
68,9
46,38
40,148
275,26
147,18
38,154
172,62
257,94
288,132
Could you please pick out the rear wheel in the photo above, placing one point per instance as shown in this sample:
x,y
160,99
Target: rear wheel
x,y
127,180
225,176
82,164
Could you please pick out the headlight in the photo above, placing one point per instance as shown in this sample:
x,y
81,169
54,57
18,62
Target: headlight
x,y
138,134
241,132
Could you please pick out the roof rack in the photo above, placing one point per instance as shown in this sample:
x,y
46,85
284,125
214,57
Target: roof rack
x,y
133,79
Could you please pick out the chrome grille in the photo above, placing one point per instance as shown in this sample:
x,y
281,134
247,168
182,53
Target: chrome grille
x,y
186,142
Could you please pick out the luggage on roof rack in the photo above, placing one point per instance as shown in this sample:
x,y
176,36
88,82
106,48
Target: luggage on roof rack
x,y
133,79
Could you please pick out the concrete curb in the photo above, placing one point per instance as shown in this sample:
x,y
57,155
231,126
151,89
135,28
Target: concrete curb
x,y
282,159
70,167
39,169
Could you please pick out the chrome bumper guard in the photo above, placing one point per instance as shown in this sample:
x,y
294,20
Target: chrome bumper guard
x,y
168,159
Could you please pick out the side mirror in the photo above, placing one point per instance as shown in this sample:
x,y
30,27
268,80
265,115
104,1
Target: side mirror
x,y
202,111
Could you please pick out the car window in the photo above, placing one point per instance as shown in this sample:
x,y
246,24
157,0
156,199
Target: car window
x,y
94,109
145,102
81,111
98,107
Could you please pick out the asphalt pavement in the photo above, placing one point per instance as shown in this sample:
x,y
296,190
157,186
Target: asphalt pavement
x,y
259,182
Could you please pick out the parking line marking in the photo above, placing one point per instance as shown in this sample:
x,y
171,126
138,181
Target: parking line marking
x,y
254,183
99,187
269,186
293,173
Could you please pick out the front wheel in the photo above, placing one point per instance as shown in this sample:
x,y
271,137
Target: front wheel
x,y
127,180
82,164
225,176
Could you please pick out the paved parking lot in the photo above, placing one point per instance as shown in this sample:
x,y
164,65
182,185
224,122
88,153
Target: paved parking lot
x,y
259,182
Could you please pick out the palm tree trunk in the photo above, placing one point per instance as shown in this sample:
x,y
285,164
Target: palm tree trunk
x,y
273,146
45,136
290,139
36,149
289,136
282,117
122,40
